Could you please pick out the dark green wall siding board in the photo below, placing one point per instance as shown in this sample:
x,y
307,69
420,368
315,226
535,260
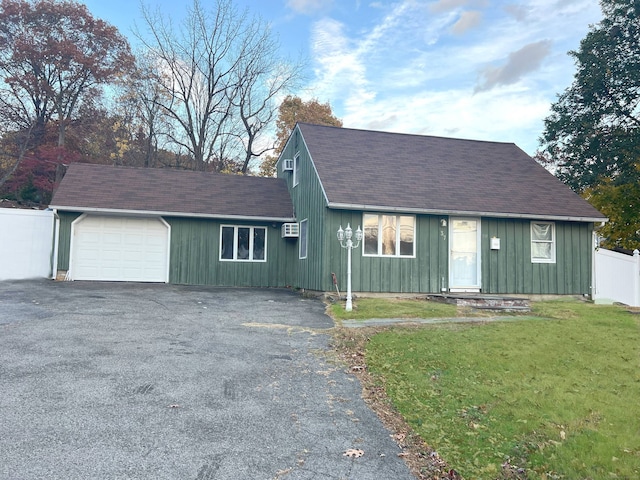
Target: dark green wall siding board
x,y
310,204
64,236
510,270
195,255
424,273
195,252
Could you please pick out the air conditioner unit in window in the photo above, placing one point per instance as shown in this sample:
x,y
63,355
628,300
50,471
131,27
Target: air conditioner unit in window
x,y
287,165
290,230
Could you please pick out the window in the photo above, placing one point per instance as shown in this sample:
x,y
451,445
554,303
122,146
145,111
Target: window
x,y
389,235
247,244
304,225
543,242
296,169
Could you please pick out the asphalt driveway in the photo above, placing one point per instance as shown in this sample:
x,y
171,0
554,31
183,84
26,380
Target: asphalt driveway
x,y
119,381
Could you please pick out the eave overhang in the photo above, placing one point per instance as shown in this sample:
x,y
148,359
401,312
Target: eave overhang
x,y
153,213
468,213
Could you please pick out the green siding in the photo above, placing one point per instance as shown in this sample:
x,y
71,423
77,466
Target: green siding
x,y
426,273
510,270
64,236
309,202
195,253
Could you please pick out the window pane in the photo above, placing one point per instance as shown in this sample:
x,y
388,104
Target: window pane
x,y
371,234
541,250
227,243
388,235
406,235
243,244
258,243
303,239
542,231
296,170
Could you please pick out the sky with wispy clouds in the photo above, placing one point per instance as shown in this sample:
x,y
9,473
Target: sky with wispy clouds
x,y
478,69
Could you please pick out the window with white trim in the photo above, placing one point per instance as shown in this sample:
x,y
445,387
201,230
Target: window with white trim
x,y
243,244
389,235
543,242
296,169
304,226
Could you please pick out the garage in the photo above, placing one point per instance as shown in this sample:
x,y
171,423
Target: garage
x,y
121,249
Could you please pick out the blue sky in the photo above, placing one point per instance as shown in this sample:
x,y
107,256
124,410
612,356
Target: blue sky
x,y
478,69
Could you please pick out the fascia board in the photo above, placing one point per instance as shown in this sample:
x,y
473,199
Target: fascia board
x,y
147,213
381,208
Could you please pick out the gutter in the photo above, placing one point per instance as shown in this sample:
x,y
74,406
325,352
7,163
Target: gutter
x,y
56,241
530,216
147,213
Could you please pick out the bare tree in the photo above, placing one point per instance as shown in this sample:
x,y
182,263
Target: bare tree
x,y
218,73
260,78
141,106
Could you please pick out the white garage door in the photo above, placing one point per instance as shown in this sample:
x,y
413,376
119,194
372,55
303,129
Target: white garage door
x,y
123,249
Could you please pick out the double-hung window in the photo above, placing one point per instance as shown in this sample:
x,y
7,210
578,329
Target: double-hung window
x,y
543,242
240,243
389,235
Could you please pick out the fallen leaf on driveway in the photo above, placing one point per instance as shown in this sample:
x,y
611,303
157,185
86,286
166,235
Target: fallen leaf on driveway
x,y
353,453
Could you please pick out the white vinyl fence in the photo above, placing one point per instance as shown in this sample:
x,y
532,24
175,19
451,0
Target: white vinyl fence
x,y
616,277
26,243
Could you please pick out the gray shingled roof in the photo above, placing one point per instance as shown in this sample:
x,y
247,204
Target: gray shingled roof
x,y
376,170
163,191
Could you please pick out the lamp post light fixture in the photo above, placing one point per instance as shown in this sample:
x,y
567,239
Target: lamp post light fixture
x,y
345,237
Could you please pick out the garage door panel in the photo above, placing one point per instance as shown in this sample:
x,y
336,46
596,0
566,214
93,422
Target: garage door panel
x,y
120,249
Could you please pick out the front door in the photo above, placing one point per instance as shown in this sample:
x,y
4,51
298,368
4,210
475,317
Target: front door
x,y
464,260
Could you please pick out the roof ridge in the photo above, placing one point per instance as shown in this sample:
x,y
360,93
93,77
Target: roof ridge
x,y
418,135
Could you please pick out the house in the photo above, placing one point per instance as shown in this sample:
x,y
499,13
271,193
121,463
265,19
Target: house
x,y
437,214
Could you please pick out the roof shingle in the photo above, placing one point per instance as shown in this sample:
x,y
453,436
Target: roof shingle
x,y
369,169
162,191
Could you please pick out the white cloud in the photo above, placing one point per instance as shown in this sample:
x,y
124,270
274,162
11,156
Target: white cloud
x,y
309,7
447,5
467,21
412,71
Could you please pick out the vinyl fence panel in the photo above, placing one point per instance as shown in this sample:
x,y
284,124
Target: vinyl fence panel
x,y
616,277
26,243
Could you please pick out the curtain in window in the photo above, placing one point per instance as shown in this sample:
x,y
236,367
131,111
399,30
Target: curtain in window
x,y
542,241
542,232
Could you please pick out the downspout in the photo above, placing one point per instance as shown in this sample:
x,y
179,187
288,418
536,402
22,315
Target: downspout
x,y
56,237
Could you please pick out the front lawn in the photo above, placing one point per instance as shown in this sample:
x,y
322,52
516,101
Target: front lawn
x,y
555,397
366,308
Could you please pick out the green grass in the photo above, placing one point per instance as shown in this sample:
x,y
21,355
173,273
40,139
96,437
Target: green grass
x,y
559,397
366,308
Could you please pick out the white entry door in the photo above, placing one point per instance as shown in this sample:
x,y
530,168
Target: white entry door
x,y
464,259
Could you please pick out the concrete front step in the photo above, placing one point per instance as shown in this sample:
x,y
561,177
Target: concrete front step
x,y
484,302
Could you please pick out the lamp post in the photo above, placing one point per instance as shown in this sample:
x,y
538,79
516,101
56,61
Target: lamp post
x,y
345,239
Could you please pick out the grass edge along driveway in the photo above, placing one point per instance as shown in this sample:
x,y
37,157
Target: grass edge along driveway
x,y
551,397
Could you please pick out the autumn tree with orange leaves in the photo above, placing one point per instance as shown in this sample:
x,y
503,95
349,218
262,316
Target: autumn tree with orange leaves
x,y
54,59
